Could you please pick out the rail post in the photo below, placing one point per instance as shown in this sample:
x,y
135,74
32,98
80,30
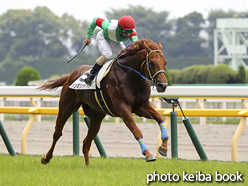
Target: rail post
x,y
195,139
75,119
97,141
236,138
193,136
173,116
174,143
26,131
190,130
6,140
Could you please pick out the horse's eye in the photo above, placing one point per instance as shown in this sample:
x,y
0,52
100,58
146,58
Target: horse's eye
x,y
152,64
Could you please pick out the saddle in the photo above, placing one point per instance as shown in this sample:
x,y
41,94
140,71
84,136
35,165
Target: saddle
x,y
79,84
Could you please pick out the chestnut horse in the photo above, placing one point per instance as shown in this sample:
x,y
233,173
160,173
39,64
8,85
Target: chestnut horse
x,y
126,90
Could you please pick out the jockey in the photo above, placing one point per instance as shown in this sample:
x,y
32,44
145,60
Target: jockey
x,y
110,39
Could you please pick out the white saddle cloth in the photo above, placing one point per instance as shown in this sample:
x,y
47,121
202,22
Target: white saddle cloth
x,y
79,84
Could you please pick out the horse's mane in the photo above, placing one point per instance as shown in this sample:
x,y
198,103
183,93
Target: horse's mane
x,y
139,45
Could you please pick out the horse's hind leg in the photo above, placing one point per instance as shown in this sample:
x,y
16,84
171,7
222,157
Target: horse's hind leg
x,y
60,122
95,124
67,106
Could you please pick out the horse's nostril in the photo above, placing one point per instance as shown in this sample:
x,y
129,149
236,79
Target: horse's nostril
x,y
154,81
161,87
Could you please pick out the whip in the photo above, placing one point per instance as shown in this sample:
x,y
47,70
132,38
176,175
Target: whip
x,y
77,53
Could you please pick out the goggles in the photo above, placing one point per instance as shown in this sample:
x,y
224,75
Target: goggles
x,y
126,31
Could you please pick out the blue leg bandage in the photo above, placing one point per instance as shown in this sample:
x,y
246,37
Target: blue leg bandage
x,y
142,145
163,131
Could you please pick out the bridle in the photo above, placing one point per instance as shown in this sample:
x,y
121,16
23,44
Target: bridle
x,y
152,77
153,80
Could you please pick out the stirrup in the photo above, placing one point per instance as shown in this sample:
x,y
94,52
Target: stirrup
x,y
89,79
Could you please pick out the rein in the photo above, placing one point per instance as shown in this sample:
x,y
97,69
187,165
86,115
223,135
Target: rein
x,y
151,80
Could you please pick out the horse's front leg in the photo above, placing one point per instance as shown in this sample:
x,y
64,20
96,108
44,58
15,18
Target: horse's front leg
x,y
148,111
127,117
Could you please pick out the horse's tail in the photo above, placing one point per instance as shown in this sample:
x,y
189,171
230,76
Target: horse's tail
x,y
54,84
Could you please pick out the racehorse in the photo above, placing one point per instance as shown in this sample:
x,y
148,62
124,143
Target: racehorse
x,y
126,89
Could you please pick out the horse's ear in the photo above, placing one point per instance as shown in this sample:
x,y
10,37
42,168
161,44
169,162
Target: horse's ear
x,y
160,46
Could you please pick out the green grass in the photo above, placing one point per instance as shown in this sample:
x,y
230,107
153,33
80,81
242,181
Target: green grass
x,y
27,170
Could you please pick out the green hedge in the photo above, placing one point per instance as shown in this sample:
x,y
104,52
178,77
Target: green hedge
x,y
246,77
208,74
202,74
222,74
173,74
25,75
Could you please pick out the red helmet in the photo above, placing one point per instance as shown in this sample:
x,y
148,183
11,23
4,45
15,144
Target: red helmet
x,y
126,22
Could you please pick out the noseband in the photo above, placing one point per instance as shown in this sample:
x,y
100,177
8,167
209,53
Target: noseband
x,y
152,77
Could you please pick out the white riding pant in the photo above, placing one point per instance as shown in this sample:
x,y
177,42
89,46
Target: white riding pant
x,y
108,47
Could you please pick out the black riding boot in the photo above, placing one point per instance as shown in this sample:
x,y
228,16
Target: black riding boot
x,y
92,74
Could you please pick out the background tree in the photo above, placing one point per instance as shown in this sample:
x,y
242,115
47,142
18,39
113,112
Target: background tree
x,y
187,40
40,39
25,75
36,34
45,41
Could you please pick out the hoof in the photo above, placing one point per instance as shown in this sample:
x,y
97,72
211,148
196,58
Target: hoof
x,y
43,161
162,151
150,158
